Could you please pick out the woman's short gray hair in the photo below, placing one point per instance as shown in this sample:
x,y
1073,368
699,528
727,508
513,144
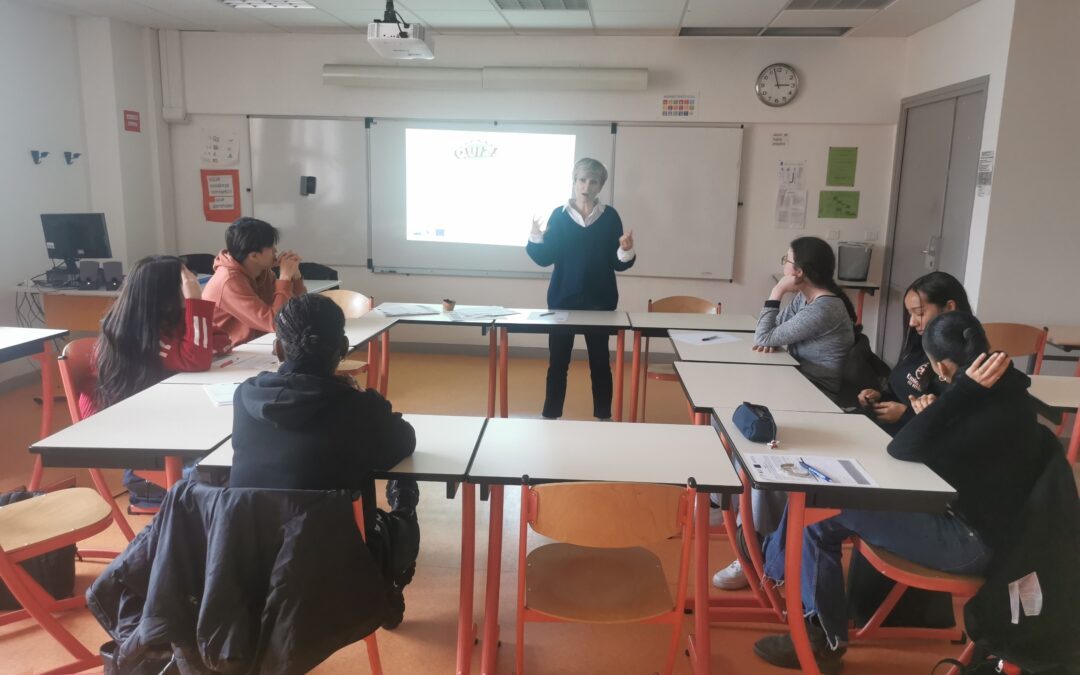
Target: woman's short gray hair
x,y
591,167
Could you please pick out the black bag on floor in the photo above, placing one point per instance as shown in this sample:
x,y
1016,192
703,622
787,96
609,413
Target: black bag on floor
x,y
55,570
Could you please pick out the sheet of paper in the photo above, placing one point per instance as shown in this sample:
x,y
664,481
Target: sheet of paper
x,y
791,175
481,312
787,469
841,167
239,360
555,317
407,309
790,209
701,337
221,394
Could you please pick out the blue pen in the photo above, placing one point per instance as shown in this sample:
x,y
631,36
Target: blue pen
x,y
815,472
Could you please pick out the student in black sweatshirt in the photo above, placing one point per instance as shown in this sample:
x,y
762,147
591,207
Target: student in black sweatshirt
x,y
981,435
926,297
304,428
584,239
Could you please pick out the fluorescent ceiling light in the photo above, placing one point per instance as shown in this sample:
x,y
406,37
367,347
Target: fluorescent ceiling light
x,y
268,4
806,32
543,4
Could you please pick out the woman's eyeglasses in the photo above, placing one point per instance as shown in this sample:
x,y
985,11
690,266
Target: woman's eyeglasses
x,y
784,260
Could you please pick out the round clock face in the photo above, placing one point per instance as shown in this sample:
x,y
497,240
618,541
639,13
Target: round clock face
x,y
777,84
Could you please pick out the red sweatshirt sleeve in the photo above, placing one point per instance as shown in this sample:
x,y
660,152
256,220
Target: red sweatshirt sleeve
x,y
246,304
191,348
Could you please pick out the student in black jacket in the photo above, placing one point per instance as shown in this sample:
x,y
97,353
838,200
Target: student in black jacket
x,y
304,428
980,435
584,239
926,297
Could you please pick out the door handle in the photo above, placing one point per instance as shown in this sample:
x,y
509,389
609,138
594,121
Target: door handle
x,y
931,252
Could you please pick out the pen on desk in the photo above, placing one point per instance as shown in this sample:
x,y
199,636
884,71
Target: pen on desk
x,y
227,363
711,337
546,313
814,471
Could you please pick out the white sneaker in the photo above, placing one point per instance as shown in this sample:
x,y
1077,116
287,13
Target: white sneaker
x,y
731,578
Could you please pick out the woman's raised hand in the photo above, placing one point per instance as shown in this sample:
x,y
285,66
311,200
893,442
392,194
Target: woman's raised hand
x,y
921,403
988,370
537,229
189,284
626,242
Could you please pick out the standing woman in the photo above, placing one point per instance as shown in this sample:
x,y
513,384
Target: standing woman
x,y
584,240
928,296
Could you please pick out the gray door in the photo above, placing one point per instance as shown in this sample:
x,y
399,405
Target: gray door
x,y
938,159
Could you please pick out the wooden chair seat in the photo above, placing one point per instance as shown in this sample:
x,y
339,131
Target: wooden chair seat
x,y
34,522
596,585
917,576
662,371
352,366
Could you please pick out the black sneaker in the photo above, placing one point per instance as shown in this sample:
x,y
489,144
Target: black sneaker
x,y
403,494
779,650
397,608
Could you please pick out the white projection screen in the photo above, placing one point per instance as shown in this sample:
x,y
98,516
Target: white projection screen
x,y
459,197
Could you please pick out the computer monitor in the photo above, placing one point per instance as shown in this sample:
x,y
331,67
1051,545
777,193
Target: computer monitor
x,y
73,236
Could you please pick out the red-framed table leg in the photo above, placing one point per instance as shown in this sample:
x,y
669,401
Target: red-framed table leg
x,y
1074,442
466,636
504,376
174,471
859,305
384,364
798,518
620,361
489,643
635,376
47,361
698,639
493,367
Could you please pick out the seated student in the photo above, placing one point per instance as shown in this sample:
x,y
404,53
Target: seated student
x,y
980,435
243,285
158,326
304,428
818,329
925,298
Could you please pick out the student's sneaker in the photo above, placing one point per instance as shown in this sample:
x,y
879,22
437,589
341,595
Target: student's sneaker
x,y
779,650
396,595
731,578
403,494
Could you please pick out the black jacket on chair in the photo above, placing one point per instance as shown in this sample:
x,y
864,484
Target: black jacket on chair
x,y
242,581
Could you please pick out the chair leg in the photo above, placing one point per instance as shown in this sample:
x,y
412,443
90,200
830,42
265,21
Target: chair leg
x,y
882,611
965,658
117,514
373,654
673,648
39,469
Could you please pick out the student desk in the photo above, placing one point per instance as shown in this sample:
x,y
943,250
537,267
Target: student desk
x,y
1060,395
444,448
452,318
863,288
729,352
81,311
657,324
578,321
728,385
157,428
901,486
231,367
553,451
36,342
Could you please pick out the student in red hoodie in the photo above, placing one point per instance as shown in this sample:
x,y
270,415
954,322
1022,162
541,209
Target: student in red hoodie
x,y
244,288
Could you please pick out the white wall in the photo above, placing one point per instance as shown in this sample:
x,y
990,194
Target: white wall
x,y
40,109
1033,239
972,43
845,101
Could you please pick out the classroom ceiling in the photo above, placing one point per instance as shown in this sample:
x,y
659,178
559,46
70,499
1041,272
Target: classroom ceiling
x,y
857,18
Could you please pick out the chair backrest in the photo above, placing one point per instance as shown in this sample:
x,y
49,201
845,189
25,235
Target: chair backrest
x,y
77,372
312,270
684,304
199,263
355,305
1017,340
609,515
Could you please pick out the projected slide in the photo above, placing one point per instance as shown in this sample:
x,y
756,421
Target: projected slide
x,y
470,187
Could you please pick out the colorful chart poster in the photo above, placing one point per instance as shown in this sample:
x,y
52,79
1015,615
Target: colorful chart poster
x,y
838,204
841,168
678,105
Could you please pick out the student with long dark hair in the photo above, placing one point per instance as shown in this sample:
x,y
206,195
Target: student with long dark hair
x,y
305,428
818,326
159,325
980,435
928,296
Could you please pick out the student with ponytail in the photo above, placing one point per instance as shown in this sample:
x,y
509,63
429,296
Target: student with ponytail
x,y
305,428
818,325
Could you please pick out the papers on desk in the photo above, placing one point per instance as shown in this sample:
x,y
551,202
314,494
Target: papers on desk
x,y
245,361
479,312
555,317
407,309
705,338
221,394
771,468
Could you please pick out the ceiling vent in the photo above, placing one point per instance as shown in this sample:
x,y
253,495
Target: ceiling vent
x,y
268,4
838,4
806,31
560,5
719,32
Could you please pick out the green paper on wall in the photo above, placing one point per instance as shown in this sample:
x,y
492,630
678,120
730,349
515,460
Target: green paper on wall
x,y
841,168
838,204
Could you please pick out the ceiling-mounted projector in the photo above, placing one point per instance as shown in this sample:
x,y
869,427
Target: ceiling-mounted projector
x,y
392,38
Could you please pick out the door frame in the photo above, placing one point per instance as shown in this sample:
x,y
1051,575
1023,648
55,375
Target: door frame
x,y
972,86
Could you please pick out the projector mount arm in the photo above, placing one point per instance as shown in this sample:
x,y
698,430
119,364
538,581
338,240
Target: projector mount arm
x,y
390,15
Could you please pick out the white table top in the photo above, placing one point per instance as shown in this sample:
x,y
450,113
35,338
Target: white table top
x,y
1056,391
729,352
728,385
741,323
12,337
444,317
563,450
357,330
900,485
444,448
236,366
166,419
575,319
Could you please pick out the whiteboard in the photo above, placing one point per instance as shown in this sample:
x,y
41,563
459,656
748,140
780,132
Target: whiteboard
x,y
677,188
